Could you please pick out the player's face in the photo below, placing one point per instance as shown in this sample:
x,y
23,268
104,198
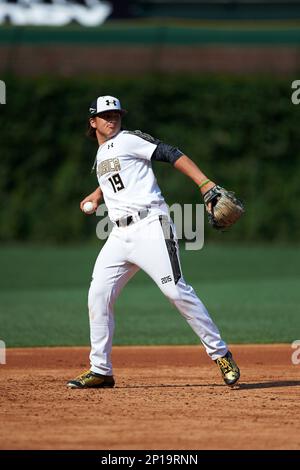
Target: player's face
x,y
107,124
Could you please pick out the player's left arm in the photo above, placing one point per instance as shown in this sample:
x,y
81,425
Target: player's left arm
x,y
167,153
190,169
223,208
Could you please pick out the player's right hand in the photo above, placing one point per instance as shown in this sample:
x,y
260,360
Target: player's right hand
x,y
94,197
88,199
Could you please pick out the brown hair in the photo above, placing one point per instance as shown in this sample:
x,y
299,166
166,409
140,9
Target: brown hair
x,y
91,131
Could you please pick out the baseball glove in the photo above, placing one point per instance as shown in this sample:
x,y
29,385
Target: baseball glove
x,y
223,208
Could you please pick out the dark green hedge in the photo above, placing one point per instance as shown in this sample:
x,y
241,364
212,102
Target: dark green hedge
x,y
243,132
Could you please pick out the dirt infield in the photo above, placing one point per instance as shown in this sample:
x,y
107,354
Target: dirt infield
x,y
165,398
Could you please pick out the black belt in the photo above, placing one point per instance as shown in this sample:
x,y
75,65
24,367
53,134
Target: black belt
x,y
124,221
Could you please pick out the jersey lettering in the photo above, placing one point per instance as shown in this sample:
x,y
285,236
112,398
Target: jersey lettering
x,y
111,164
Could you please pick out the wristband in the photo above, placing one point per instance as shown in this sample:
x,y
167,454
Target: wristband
x,y
203,184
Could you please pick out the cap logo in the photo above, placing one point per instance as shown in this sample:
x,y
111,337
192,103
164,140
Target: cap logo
x,y
111,102
92,110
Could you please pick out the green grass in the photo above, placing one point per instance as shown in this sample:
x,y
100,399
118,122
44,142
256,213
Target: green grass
x,y
252,293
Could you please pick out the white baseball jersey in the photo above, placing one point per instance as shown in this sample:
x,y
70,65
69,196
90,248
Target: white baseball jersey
x,y
126,177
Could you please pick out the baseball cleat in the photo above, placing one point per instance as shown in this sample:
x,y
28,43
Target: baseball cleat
x,y
90,379
229,369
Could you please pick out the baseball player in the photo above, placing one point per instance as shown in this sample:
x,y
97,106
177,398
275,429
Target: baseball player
x,y
143,237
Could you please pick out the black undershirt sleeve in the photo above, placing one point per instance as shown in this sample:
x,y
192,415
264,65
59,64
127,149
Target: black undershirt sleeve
x,y
166,153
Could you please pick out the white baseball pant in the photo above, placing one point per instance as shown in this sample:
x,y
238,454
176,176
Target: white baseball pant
x,y
142,245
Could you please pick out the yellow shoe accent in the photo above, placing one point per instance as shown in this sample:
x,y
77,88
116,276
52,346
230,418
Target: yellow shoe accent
x,y
90,379
229,369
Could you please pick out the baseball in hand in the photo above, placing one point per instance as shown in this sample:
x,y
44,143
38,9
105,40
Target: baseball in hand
x,y
88,207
